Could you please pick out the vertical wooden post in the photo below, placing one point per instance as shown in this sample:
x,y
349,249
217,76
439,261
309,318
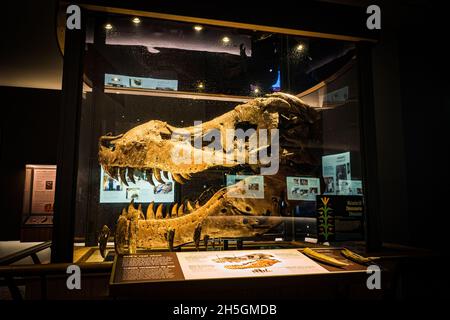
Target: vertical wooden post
x,y
369,148
67,160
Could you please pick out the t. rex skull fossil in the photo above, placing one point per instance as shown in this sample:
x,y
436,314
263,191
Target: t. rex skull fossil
x,y
148,148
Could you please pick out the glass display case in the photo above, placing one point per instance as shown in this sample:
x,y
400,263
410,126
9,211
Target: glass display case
x,y
194,136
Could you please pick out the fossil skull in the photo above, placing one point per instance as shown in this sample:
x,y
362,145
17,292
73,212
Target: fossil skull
x,y
150,147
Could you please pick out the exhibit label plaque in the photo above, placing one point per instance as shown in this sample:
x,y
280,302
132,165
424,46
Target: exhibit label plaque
x,y
302,188
162,266
39,189
212,265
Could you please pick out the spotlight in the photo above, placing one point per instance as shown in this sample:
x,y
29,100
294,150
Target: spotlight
x,y
300,48
200,85
225,40
108,26
198,28
136,20
256,90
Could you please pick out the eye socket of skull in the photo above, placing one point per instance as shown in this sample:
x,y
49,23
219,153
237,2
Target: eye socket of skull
x,y
165,136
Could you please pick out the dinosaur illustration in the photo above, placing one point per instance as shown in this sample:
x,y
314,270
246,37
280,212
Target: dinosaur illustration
x,y
149,148
249,261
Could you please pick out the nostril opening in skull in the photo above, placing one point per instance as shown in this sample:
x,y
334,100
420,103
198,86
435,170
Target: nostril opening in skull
x,y
248,209
110,145
224,210
107,141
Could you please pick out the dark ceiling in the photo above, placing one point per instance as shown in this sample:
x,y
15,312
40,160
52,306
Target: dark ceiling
x,y
29,55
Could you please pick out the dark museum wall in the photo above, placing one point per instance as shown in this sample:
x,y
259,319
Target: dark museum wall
x,y
29,123
30,83
411,85
410,74
425,87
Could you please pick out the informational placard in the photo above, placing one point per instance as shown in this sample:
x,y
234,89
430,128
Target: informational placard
x,y
246,263
302,188
43,189
129,270
122,81
113,191
335,167
247,186
161,266
350,187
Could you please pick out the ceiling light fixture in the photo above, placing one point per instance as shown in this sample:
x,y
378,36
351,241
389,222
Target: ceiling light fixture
x,y
108,26
198,28
300,47
136,20
225,40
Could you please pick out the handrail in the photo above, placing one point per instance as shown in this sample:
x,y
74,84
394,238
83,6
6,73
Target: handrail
x,y
13,275
53,269
16,256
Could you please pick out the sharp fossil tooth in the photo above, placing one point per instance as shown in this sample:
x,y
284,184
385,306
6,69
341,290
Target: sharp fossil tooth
x,y
131,175
170,238
174,211
206,239
131,206
165,175
113,173
197,235
157,174
197,205
124,212
181,210
107,170
186,176
148,176
122,172
150,211
177,178
189,206
159,211
141,214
